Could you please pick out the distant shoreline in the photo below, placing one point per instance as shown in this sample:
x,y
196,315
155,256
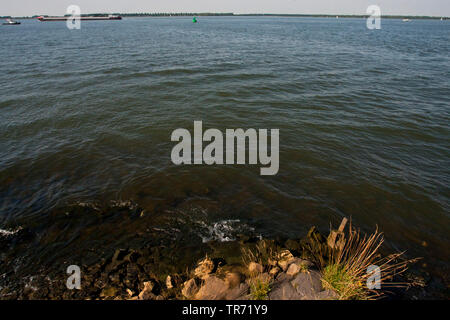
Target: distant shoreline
x,y
153,15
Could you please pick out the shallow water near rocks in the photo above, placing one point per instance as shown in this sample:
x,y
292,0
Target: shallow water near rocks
x,y
86,118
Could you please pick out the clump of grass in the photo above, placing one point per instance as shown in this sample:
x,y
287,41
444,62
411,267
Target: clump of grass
x,y
347,269
263,253
259,288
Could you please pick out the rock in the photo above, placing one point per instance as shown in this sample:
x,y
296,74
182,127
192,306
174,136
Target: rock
x,y
308,285
298,265
283,264
293,269
274,271
286,258
190,288
204,268
254,267
283,291
327,295
213,288
233,279
237,293
146,293
169,283
286,255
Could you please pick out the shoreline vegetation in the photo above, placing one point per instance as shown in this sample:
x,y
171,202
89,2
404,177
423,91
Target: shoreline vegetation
x,y
311,268
229,14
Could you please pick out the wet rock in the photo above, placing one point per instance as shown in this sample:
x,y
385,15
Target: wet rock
x,y
213,288
204,268
254,267
190,288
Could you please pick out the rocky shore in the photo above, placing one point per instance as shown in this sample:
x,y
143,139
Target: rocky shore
x,y
248,268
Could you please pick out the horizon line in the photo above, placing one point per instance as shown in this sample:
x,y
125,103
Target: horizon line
x,y
235,14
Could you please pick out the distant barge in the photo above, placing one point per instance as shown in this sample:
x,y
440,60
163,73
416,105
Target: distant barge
x,y
81,18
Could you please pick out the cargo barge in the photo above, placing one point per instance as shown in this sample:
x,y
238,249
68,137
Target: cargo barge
x,y
83,18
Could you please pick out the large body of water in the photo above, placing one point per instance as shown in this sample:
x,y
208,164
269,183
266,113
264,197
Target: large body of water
x,y
86,118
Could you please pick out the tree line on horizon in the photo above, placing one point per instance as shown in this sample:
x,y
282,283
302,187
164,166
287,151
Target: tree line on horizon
x,y
182,14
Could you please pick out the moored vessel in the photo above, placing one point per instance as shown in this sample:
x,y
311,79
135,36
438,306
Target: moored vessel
x,y
10,22
83,18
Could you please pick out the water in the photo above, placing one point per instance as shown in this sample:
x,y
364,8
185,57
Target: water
x,y
86,118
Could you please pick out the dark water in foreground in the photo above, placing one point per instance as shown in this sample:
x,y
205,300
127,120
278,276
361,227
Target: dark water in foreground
x,y
86,118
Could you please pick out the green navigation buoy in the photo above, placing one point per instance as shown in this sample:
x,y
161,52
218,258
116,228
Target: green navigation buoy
x,y
194,20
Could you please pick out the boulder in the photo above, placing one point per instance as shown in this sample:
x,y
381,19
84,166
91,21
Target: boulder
x,y
238,293
308,285
283,291
190,288
213,288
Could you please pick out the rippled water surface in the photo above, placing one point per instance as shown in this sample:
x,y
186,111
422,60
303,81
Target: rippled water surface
x,y
86,117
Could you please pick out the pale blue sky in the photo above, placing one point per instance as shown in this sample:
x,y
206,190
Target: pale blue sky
x,y
58,7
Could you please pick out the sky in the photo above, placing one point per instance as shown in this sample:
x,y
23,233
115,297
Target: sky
x,y
388,7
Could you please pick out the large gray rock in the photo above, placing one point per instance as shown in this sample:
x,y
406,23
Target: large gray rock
x,y
238,293
303,286
213,288
284,291
307,284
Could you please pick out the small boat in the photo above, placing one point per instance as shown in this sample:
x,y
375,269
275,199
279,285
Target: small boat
x,y
10,22
406,20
